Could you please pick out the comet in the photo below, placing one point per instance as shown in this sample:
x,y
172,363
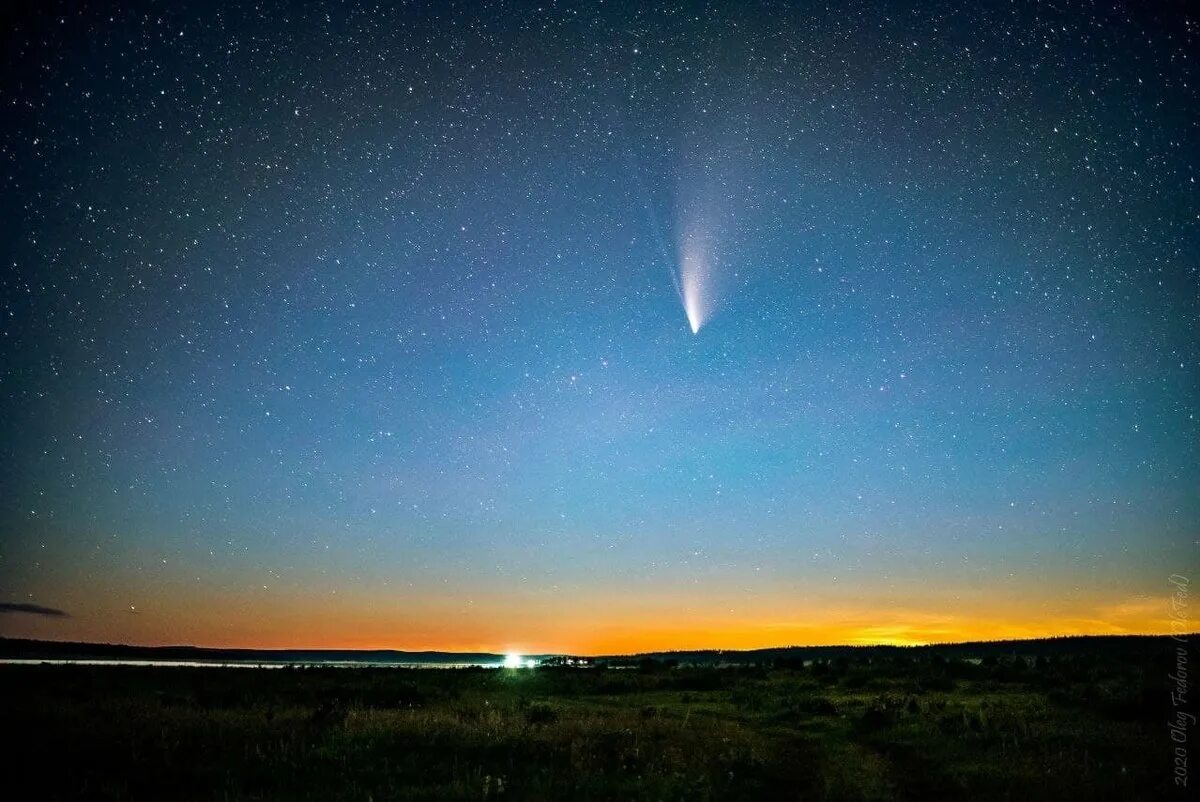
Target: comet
x,y
691,305
693,282
692,268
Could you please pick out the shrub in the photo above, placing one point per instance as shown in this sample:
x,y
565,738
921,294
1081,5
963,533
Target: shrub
x,y
541,713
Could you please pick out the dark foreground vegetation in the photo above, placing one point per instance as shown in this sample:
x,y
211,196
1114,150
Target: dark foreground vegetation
x,y
876,726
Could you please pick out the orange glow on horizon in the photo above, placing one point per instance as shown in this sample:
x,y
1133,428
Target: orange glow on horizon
x,y
653,625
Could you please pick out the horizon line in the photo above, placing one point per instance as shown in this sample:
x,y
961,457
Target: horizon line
x,y
718,649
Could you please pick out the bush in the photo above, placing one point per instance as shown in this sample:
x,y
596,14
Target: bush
x,y
541,713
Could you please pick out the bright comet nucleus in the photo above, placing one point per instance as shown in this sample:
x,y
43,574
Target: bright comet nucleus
x,y
691,304
694,258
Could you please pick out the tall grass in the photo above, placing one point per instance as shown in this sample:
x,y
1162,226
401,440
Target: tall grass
x,y
879,730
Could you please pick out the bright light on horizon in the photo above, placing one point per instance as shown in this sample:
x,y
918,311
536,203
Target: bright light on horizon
x,y
515,660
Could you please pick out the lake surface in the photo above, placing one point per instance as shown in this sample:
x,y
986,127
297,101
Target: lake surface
x,y
238,664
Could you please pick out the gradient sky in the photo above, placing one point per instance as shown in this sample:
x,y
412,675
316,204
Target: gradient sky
x,y
343,325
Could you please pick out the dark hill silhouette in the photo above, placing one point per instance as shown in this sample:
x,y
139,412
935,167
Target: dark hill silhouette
x,y
1116,646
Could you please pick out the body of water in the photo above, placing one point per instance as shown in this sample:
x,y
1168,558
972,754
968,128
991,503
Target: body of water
x,y
235,664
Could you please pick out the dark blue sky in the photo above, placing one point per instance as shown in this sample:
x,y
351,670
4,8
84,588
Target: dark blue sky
x,y
342,324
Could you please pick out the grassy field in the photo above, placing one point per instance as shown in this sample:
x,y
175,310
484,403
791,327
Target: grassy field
x,y
882,729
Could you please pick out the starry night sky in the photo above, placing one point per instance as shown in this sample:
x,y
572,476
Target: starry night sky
x,y
345,324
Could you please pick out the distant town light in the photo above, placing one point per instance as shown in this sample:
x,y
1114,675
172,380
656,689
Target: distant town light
x,y
513,660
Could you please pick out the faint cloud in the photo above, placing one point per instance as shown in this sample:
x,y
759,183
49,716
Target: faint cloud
x,y
1139,608
33,609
